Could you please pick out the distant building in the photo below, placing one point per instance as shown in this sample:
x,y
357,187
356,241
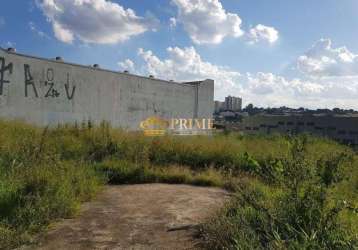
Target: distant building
x,y
219,106
233,103
342,128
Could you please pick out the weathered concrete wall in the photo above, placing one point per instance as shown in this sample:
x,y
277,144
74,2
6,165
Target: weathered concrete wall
x,y
48,92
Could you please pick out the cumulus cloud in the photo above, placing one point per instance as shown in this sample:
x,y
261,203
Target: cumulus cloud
x,y
330,80
267,89
93,21
185,64
263,33
127,65
263,83
322,60
262,89
206,21
268,83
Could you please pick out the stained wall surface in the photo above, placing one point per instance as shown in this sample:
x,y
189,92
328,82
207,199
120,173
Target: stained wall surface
x,y
48,92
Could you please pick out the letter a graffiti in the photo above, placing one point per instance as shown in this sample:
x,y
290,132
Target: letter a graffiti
x,y
29,80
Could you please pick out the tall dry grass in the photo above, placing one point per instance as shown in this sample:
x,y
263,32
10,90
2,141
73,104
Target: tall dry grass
x,y
45,173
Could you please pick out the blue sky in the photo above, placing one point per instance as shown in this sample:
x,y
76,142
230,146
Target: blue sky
x,y
272,53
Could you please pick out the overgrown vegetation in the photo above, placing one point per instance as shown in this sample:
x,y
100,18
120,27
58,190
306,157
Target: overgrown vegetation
x,y
290,193
304,202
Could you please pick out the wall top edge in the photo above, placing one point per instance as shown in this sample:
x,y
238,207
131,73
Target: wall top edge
x,y
96,69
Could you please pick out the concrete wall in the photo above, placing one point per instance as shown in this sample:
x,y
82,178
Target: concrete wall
x,y
48,92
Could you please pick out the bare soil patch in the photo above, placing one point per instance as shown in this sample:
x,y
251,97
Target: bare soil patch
x,y
149,216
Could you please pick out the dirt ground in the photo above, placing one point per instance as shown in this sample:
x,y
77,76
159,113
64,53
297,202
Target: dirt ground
x,y
150,216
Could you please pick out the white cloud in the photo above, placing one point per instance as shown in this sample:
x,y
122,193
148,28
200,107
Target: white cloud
x,y
93,21
263,83
185,64
62,34
263,33
40,33
324,61
332,81
268,83
206,21
267,89
262,89
127,65
173,22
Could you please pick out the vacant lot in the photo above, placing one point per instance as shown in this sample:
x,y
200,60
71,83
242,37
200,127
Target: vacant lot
x,y
288,192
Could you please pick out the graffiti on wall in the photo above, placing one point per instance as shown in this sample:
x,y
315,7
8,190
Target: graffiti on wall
x,y
4,68
67,88
51,90
30,86
29,80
